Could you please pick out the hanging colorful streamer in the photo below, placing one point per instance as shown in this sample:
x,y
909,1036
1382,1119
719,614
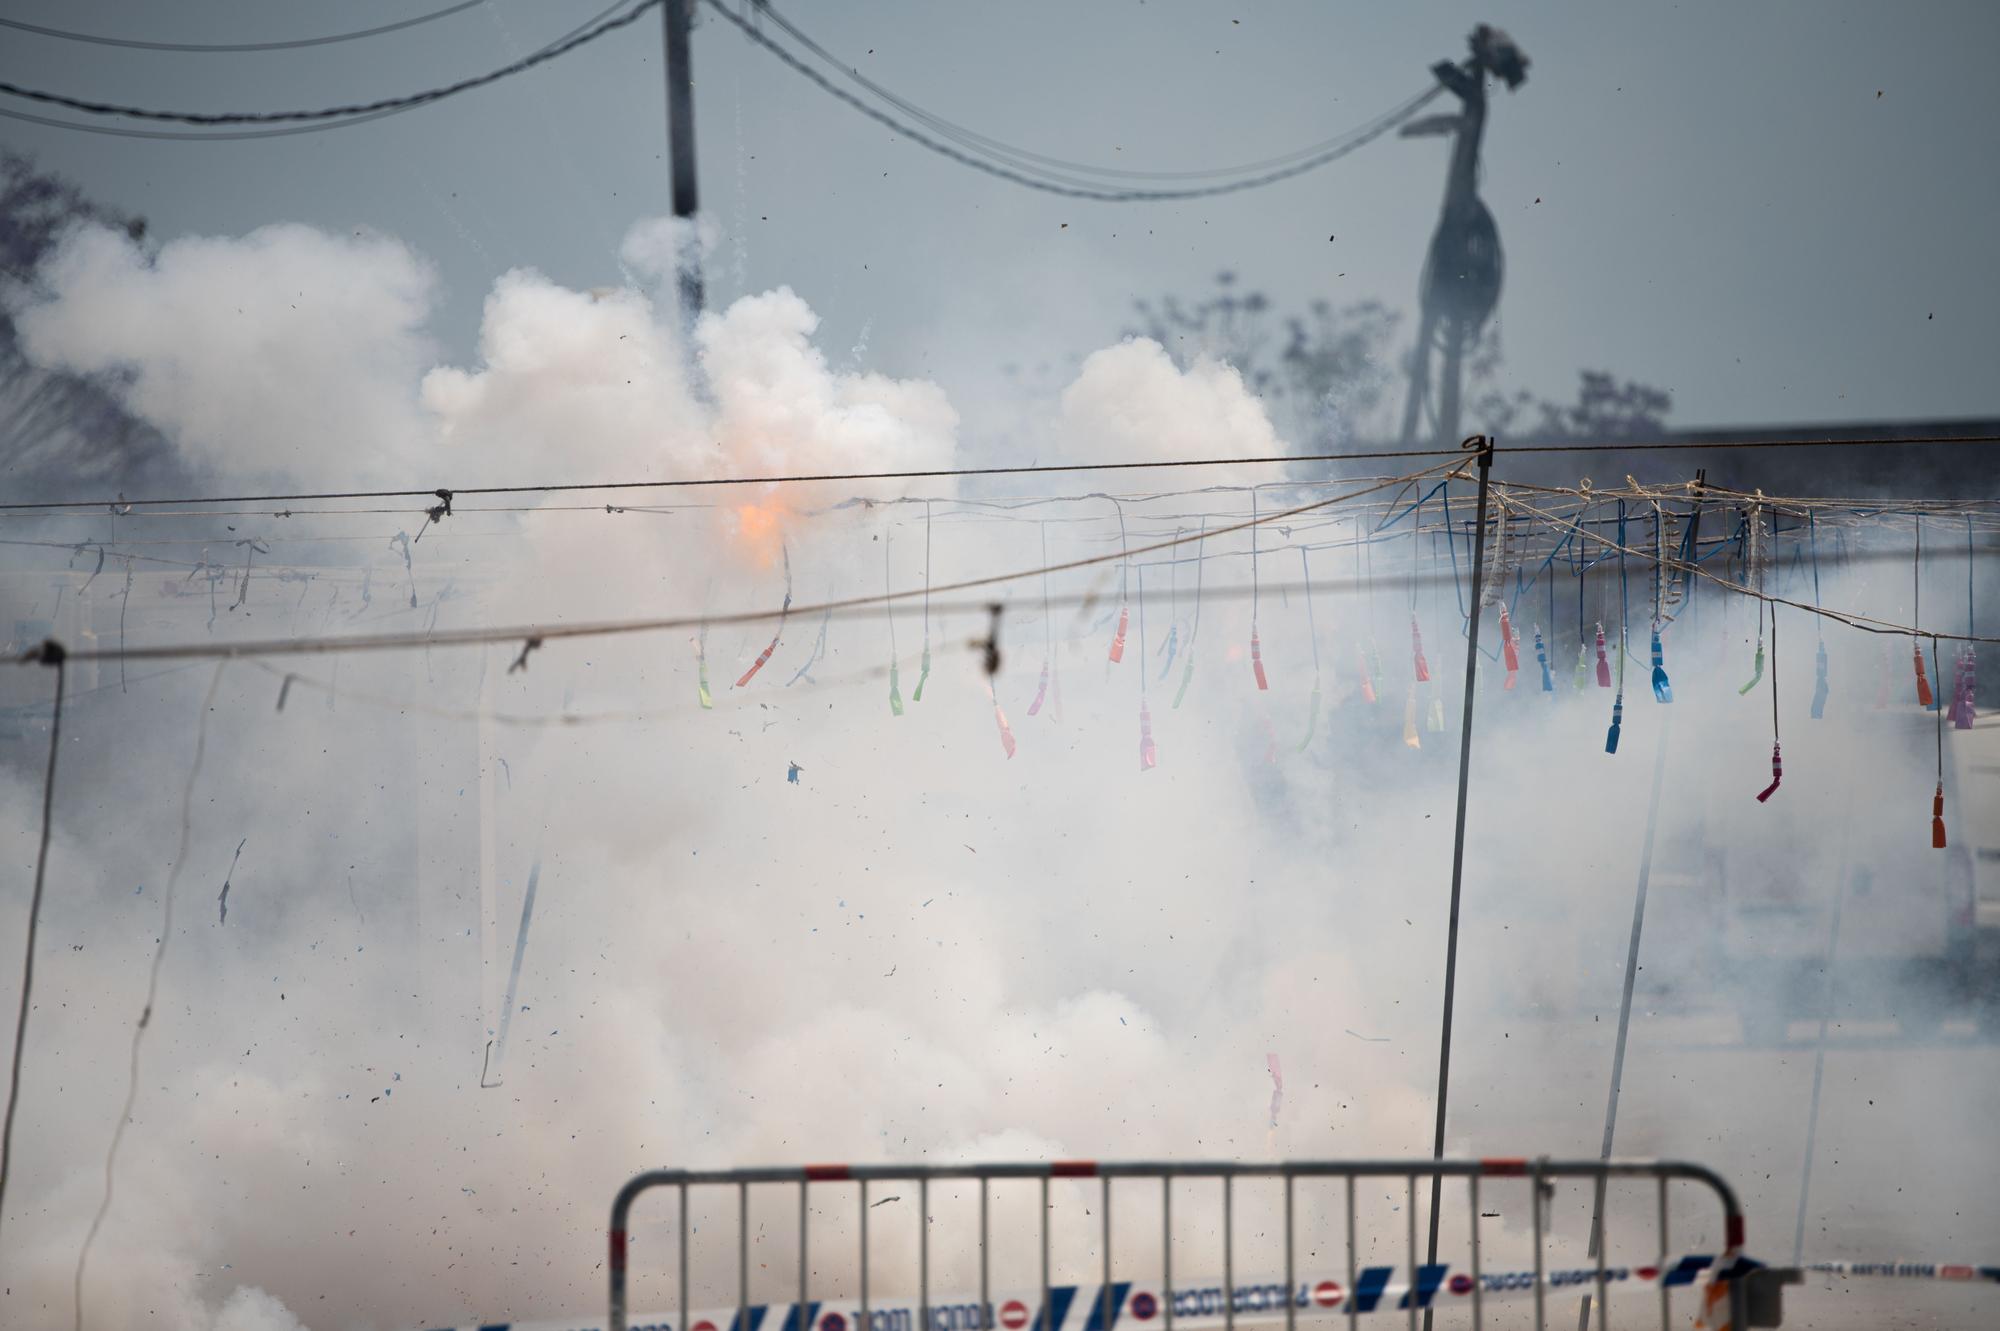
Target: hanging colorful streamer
x,y
1965,713
924,669
1582,666
1256,646
1777,762
1410,736
1194,629
1000,719
1312,631
1148,755
701,669
818,653
1542,660
889,611
1757,663
1663,689
1624,640
1925,698
1048,629
1937,800
1510,649
1777,774
1819,654
1603,661
1125,605
784,610
1417,650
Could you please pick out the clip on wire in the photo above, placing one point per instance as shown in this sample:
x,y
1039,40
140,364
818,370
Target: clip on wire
x,y
521,661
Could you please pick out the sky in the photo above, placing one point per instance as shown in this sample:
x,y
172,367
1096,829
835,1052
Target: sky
x,y
1773,211
835,889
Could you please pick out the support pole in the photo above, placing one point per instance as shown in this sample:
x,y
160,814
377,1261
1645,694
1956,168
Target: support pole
x,y
676,17
1484,446
1625,1003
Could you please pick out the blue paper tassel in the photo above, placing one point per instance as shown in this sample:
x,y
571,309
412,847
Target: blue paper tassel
x,y
1542,659
1662,690
1617,722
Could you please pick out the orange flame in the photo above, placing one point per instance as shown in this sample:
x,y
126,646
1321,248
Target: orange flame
x,y
760,528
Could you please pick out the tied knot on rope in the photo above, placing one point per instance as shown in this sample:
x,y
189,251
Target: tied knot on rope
x,y
48,652
521,661
441,510
989,646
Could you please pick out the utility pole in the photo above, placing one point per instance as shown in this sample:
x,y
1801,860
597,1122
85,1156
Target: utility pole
x,y
1461,280
676,18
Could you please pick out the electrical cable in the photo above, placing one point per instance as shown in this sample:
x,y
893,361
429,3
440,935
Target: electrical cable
x,y
49,653
479,636
381,105
1367,134
211,48
1022,157
121,504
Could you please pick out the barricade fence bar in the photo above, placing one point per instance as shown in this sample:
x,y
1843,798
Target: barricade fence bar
x,y
1291,1294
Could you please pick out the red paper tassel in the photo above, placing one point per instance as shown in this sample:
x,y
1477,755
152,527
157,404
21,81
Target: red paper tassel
x,y
1777,775
1923,681
1510,651
1000,716
1417,646
1257,660
1361,671
1937,818
1603,664
758,664
1118,642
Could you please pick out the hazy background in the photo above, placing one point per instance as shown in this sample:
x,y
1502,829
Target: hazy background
x,y
926,949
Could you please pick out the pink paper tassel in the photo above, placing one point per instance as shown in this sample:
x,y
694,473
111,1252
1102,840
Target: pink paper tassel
x,y
1000,716
1603,664
1417,647
1041,691
1257,660
1777,775
1510,649
1118,642
1149,756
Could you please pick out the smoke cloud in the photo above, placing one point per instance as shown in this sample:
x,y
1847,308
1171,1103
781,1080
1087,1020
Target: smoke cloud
x,y
922,948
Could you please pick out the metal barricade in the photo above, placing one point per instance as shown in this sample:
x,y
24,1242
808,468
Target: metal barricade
x,y
1725,1302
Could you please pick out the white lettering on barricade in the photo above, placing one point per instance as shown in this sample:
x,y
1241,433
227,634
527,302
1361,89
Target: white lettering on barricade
x,y
1315,1299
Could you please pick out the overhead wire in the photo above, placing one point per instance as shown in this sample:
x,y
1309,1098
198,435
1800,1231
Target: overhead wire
x,y
407,101
999,148
206,48
1358,139
121,504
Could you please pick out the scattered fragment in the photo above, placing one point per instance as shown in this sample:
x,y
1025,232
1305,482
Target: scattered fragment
x,y
223,899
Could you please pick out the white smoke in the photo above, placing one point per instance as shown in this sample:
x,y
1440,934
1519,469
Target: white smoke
x,y
922,950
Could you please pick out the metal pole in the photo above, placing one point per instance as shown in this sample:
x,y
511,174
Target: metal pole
x,y
1485,448
676,17
1625,1003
